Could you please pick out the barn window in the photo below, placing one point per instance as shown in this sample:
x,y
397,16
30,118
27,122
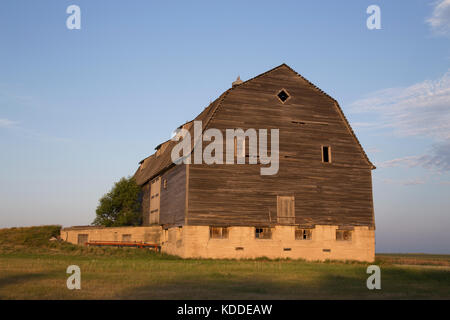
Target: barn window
x,y
263,233
218,232
303,234
283,95
326,154
343,235
82,238
126,237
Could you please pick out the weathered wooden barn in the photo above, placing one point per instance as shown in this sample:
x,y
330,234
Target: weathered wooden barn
x,y
317,206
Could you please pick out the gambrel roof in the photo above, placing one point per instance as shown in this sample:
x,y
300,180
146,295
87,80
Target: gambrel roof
x,y
153,165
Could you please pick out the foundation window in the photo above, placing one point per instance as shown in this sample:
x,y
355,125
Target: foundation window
x,y
126,237
326,154
343,235
263,233
218,232
303,234
82,238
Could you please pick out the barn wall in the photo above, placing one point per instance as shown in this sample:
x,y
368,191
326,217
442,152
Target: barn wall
x,y
173,197
144,234
146,204
195,242
336,193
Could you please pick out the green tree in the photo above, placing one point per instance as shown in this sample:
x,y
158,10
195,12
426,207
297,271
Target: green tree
x,y
121,206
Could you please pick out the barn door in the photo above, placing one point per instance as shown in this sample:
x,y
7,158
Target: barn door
x,y
286,209
155,191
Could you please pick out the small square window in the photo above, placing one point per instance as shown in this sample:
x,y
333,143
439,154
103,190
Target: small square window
x,y
343,235
303,234
218,232
263,233
283,95
126,237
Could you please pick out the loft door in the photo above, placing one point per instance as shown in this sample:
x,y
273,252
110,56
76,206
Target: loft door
x,y
155,191
286,209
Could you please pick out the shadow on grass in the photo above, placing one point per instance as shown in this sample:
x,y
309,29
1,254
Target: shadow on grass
x,y
21,278
325,287
396,283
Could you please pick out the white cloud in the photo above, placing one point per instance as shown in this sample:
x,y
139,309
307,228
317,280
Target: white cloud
x,y
372,150
405,182
437,158
422,109
440,19
410,161
6,123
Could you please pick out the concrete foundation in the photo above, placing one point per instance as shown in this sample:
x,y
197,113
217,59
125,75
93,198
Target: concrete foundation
x,y
195,242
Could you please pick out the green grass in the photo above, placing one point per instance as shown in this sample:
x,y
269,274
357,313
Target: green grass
x,y
33,268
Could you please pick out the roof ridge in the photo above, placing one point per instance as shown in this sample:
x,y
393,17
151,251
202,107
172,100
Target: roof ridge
x,y
240,85
341,113
218,103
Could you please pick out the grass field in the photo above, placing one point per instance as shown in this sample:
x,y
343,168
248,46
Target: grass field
x,y
31,267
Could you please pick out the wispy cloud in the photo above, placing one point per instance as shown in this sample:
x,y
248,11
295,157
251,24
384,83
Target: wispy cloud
x,y
405,182
27,133
440,18
372,150
437,158
422,109
6,123
409,161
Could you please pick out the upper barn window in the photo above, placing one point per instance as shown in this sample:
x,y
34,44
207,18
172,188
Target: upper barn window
x,y
326,154
283,95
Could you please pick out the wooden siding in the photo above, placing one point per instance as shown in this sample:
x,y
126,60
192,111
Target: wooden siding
x,y
173,197
155,197
336,193
146,204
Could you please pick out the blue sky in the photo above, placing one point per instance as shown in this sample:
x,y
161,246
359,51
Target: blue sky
x,y
80,108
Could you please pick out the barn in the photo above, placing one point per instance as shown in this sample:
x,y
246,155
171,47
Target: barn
x,y
317,205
